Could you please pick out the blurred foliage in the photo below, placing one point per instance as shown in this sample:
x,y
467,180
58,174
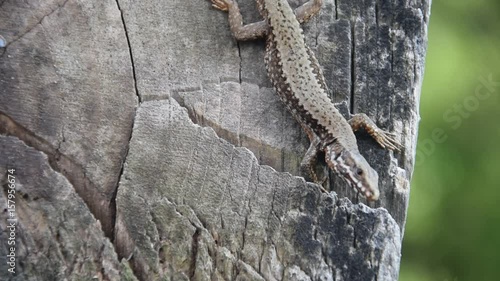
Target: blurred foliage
x,y
453,226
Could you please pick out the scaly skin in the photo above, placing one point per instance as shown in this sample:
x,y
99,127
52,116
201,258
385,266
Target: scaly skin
x,y
299,82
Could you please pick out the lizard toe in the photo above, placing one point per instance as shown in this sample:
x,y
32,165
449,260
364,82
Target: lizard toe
x,y
392,144
222,5
387,140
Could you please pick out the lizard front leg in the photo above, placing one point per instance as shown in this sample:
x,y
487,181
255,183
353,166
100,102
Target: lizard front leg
x,y
309,162
241,32
385,139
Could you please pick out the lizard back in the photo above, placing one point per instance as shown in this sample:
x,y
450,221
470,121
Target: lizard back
x,y
289,65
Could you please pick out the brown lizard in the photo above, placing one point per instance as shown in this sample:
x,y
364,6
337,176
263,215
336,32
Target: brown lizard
x,y
298,80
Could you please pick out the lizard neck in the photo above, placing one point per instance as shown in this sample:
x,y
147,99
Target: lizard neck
x,y
337,146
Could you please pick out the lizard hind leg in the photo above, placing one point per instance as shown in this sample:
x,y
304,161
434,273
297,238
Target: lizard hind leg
x,y
385,139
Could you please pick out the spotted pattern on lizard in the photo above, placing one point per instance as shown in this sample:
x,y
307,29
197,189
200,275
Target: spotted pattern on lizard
x,y
300,84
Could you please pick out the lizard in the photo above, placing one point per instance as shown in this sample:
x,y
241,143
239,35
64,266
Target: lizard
x,y
298,80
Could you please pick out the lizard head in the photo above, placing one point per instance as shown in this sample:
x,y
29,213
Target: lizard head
x,y
353,167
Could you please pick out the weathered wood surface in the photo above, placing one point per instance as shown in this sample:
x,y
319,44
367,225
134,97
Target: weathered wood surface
x,y
97,103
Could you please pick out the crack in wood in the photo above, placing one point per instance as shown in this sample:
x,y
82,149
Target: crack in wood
x,y
102,208
31,28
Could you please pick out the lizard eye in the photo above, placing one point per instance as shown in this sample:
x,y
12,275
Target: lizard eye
x,y
359,172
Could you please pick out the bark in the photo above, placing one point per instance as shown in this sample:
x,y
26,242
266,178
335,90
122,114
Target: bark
x,y
146,144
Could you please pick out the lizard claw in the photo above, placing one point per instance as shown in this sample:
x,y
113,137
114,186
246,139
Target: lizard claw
x,y
323,189
386,140
222,5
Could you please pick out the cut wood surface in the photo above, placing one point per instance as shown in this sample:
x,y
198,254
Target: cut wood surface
x,y
148,144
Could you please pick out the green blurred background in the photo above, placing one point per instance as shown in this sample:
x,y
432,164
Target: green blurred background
x,y
453,226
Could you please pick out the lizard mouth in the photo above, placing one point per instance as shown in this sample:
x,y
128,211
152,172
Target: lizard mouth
x,y
358,186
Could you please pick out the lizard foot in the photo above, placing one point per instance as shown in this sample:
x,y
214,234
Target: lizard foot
x,y
323,189
385,139
322,183
222,5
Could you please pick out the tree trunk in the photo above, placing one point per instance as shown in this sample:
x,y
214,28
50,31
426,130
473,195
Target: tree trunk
x,y
140,141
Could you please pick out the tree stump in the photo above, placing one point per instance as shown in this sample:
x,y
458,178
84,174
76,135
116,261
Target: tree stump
x,y
140,141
